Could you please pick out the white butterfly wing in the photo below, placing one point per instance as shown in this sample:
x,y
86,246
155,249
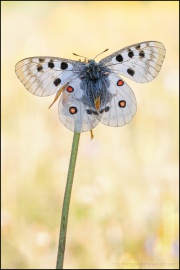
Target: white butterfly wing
x,y
44,76
122,106
72,112
140,62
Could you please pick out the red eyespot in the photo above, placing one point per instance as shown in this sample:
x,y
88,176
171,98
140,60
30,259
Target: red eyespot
x,y
122,103
70,89
120,83
73,110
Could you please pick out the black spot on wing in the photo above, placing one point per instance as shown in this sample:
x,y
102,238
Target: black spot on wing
x,y
119,58
106,109
57,82
101,111
142,54
130,54
50,64
95,113
64,65
89,111
130,71
138,47
39,68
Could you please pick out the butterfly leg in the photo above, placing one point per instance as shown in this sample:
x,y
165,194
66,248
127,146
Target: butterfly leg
x,y
58,94
92,135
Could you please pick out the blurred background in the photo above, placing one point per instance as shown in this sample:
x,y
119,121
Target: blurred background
x,y
124,204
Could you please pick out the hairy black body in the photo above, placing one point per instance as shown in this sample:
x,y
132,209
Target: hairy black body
x,y
95,82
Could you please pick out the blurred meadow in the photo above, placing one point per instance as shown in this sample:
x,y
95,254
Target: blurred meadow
x,y
124,204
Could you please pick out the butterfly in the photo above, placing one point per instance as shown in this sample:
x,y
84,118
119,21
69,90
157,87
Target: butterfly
x,y
93,92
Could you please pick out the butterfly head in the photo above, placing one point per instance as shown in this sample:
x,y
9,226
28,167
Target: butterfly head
x,y
93,70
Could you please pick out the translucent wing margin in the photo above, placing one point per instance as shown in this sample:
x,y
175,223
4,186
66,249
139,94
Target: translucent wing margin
x,y
140,62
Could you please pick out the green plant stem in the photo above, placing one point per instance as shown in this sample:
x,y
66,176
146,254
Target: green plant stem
x,y
66,202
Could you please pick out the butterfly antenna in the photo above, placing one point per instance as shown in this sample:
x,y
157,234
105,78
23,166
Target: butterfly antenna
x,y
79,55
101,53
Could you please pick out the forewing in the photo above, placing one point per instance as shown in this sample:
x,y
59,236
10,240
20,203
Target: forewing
x,y
140,62
72,112
44,76
122,106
